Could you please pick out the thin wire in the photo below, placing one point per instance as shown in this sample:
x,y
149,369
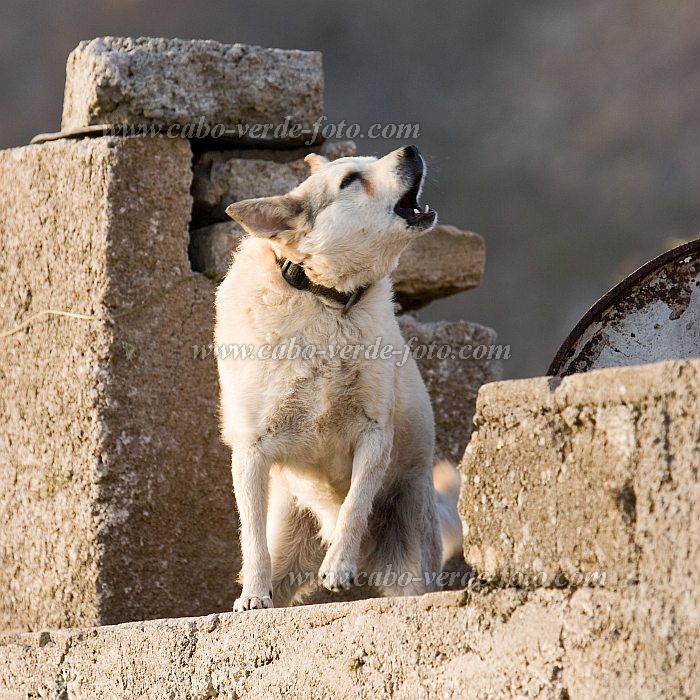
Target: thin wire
x,y
149,301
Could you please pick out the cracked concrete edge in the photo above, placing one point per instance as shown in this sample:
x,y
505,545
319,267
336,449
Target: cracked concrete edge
x,y
544,643
619,385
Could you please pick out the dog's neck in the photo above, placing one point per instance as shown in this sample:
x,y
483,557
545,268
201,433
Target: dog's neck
x,y
295,275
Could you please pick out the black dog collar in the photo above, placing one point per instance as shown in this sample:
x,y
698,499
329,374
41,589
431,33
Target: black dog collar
x,y
295,275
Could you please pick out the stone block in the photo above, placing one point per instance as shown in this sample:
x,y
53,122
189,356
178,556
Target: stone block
x,y
443,262
596,472
452,382
112,80
213,247
115,489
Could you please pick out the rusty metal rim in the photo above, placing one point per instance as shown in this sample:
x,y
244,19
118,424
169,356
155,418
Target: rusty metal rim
x,y
595,313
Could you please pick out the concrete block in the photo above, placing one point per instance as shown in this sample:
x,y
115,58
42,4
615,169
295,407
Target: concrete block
x,y
596,472
507,644
115,491
112,80
443,262
452,383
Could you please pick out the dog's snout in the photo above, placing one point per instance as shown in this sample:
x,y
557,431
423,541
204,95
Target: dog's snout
x,y
410,152
410,165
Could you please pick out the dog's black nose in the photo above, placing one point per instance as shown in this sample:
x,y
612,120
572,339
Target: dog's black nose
x,y
410,152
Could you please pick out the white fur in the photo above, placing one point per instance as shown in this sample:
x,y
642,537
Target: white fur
x,y
332,459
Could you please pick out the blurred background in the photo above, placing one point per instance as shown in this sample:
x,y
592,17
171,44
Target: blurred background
x,y
567,133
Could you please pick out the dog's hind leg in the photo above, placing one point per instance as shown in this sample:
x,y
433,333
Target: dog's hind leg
x,y
295,547
404,555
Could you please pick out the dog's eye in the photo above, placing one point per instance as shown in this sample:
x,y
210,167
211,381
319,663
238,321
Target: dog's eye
x,y
348,180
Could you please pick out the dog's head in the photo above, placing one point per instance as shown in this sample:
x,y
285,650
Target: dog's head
x,y
349,221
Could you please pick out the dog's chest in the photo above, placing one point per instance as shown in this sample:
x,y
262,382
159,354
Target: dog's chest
x,y
322,400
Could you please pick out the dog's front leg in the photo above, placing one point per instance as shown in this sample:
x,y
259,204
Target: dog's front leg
x,y
250,484
370,462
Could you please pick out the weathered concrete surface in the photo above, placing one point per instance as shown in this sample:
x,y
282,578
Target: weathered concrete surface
x,y
508,644
452,383
224,177
115,493
594,472
112,80
443,262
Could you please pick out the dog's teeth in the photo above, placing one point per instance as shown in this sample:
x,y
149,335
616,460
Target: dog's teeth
x,y
417,211
427,209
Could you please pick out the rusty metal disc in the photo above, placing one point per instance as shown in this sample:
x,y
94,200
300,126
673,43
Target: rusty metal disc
x,y
652,315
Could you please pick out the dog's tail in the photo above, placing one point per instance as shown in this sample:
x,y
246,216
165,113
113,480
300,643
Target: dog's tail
x,y
448,482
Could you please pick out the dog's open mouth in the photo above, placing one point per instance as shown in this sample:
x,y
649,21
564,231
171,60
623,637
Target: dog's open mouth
x,y
409,209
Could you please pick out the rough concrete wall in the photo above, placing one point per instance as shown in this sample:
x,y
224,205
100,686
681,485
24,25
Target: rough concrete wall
x,y
167,477
116,491
452,383
50,438
116,488
509,644
594,472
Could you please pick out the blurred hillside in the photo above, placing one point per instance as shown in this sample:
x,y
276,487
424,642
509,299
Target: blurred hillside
x,y
567,133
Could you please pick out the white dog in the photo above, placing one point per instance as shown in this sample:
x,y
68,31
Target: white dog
x,y
332,453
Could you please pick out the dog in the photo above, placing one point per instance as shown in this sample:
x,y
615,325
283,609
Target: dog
x,y
332,454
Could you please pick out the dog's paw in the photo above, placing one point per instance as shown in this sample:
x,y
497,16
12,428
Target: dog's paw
x,y
252,602
337,573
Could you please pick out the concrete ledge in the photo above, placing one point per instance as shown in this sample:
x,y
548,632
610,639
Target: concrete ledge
x,y
443,262
507,644
596,472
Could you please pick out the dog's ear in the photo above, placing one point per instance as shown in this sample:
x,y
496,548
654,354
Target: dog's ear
x,y
268,217
315,161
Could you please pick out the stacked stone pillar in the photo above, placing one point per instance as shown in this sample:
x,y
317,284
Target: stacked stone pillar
x,y
115,489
